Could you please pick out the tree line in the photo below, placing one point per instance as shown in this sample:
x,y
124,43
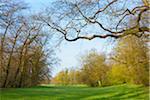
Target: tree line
x,y
128,63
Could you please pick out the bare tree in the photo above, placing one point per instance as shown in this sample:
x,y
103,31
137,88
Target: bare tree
x,y
10,29
11,54
23,47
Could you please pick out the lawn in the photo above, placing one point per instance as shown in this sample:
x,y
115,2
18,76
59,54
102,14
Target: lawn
x,y
118,92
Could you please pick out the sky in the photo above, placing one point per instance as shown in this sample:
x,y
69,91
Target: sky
x,y
69,52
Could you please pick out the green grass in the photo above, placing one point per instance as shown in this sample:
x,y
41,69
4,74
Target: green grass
x,y
119,92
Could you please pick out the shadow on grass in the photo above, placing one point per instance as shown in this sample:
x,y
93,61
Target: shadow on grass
x,y
50,92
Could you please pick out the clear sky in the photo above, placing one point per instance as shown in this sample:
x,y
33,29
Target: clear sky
x,y
69,52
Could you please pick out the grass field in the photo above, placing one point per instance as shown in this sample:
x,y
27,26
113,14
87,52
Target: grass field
x,y
119,92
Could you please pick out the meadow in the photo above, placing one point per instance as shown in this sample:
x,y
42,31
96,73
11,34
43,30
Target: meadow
x,y
51,92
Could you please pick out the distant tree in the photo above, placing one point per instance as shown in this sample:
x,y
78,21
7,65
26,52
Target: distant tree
x,y
94,69
62,78
67,77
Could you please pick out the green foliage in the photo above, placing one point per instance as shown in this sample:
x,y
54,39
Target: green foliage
x,y
118,74
94,70
129,65
132,52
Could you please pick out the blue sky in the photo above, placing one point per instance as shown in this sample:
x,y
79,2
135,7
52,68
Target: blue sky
x,y
69,52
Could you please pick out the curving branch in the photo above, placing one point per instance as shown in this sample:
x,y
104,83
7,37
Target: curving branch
x,y
132,12
103,9
92,19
